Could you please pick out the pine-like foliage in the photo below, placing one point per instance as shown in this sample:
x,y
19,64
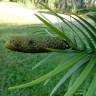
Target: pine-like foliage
x,y
78,66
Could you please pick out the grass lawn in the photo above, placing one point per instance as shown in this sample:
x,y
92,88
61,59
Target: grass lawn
x,y
16,67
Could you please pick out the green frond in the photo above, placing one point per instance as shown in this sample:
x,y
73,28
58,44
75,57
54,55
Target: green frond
x,y
56,30
82,77
52,73
69,73
92,87
77,62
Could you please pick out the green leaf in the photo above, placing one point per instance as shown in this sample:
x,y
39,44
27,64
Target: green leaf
x,y
43,61
59,32
75,32
69,73
74,77
87,38
89,26
55,29
92,18
66,22
52,73
92,87
82,77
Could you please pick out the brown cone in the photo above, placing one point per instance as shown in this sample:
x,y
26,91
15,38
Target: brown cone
x,y
35,44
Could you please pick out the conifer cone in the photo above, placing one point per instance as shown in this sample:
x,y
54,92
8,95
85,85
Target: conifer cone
x,y
35,44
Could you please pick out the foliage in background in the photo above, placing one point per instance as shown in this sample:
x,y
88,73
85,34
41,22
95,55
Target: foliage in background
x,y
60,5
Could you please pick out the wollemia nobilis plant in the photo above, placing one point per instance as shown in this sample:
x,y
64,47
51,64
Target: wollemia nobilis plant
x,y
78,37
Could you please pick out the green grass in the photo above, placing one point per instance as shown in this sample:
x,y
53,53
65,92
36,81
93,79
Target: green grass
x,y
16,67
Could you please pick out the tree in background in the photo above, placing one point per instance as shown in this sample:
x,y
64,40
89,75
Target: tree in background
x,y
63,5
